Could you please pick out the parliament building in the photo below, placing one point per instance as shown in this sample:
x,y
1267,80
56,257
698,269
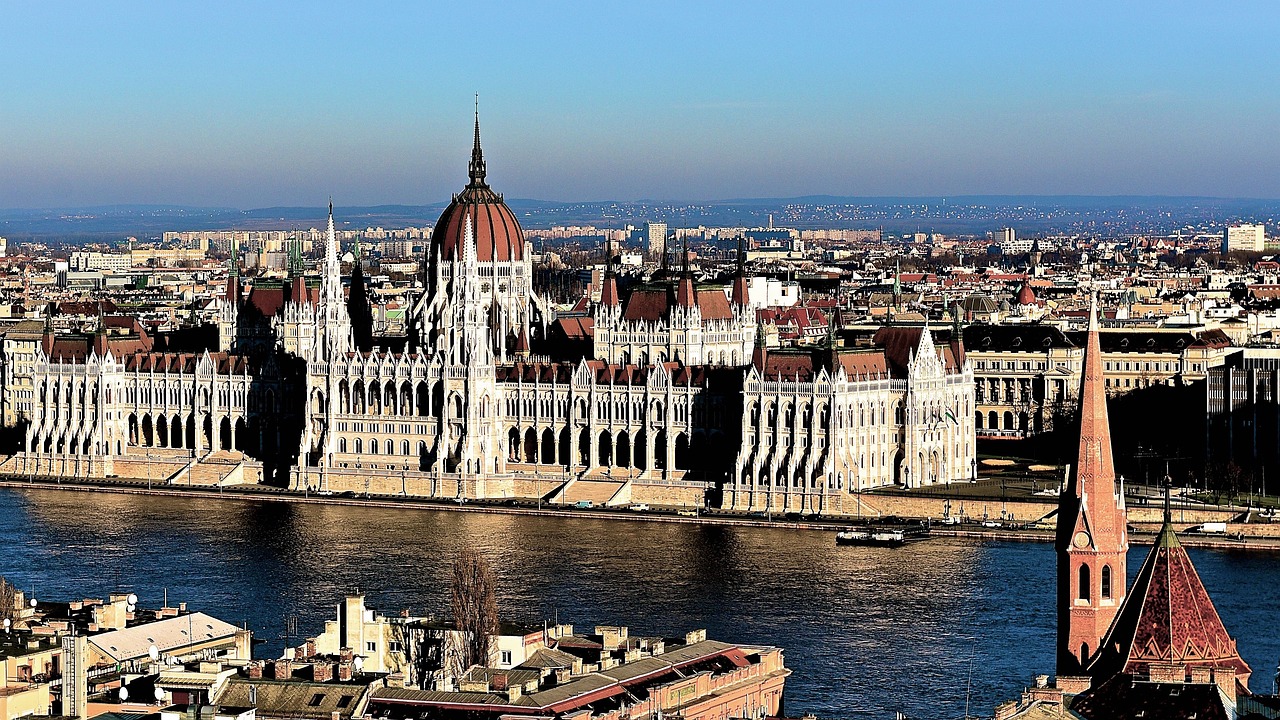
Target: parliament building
x,y
678,402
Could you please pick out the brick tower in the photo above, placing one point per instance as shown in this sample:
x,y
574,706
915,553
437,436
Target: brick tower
x,y
1092,535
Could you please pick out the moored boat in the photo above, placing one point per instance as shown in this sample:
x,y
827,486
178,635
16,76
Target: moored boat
x,y
871,538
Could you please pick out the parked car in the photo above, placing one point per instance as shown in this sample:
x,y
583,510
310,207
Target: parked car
x,y
688,513
640,507
584,504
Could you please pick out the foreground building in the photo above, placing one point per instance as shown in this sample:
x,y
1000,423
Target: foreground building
x,y
677,404
1157,649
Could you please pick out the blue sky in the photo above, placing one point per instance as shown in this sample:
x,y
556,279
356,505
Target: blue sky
x,y
251,104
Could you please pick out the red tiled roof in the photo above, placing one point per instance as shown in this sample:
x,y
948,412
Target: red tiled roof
x,y
87,308
268,299
1167,617
577,327
497,232
900,343
654,304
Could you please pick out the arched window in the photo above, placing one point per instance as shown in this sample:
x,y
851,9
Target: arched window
x,y
1083,588
1106,582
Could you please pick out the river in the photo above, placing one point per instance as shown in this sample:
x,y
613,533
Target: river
x,y
867,631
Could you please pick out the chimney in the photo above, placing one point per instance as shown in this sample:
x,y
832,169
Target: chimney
x,y
311,647
1201,675
322,672
513,693
282,670
1167,672
254,670
345,671
346,654
1006,710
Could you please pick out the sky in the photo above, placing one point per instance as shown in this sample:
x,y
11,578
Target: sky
x,y
258,104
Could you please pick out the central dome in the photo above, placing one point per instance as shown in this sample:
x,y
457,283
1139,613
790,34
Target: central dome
x,y
497,233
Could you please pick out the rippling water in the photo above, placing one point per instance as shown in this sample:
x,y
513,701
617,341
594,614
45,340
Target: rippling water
x,y
867,631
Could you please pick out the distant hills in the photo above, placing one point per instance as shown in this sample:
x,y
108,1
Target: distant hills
x,y
967,214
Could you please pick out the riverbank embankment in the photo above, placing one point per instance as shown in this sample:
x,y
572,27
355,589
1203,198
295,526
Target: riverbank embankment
x,y
1238,537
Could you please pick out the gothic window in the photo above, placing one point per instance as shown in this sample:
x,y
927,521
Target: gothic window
x,y
1082,586
1106,582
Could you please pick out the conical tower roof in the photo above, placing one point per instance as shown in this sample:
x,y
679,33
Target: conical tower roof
x,y
1168,617
1092,491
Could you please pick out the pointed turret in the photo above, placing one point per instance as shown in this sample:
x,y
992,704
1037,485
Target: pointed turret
x,y
1092,534
233,275
359,309
46,338
100,335
476,170
957,336
760,355
686,296
740,298
609,290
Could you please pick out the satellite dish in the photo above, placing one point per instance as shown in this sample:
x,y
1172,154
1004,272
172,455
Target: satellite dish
x,y
33,602
154,652
124,694
159,694
6,624
358,663
129,608
132,599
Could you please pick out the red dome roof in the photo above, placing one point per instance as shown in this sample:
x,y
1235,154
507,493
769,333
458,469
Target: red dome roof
x,y
1026,296
497,232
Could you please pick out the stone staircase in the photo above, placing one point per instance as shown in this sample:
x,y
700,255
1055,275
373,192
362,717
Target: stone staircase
x,y
599,493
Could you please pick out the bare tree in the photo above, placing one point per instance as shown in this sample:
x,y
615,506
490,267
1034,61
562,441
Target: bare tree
x,y
475,605
8,600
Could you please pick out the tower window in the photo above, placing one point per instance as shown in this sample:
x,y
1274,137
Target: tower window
x,y
1106,582
1083,590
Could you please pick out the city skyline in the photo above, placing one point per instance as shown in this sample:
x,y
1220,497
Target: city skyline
x,y
257,107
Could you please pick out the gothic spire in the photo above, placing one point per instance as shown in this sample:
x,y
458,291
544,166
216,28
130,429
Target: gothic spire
x,y
477,168
1092,526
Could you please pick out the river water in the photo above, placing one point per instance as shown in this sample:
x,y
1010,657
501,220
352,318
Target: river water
x,y
867,631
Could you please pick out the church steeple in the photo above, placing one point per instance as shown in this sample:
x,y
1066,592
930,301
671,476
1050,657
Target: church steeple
x,y
1092,534
476,169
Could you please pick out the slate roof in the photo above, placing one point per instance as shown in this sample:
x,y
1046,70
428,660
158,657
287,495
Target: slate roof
x,y
1030,337
1124,696
291,698
1154,341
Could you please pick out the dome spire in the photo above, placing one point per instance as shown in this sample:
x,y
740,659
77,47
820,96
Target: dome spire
x,y
477,170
